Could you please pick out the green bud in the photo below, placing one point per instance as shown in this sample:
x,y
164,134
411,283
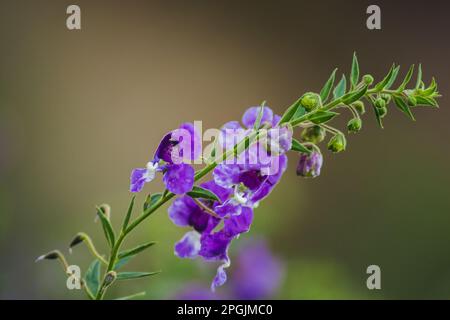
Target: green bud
x,y
110,277
368,79
337,143
412,101
314,134
359,106
380,103
381,112
386,97
354,125
311,101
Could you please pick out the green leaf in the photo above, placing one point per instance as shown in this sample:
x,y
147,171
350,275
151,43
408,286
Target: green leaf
x,y
199,192
135,250
403,107
354,96
107,227
152,199
325,92
92,277
393,77
297,146
339,91
322,116
419,76
407,79
301,111
426,101
354,74
132,296
128,215
121,262
382,84
257,123
289,113
431,89
135,275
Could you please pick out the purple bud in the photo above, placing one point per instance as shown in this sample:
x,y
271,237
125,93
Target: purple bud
x,y
309,164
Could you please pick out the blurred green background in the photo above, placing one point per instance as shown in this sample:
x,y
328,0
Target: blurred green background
x,y
80,109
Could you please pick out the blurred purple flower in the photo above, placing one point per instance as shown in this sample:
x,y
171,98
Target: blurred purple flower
x,y
257,274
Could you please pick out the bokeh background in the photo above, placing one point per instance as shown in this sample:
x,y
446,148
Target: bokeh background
x,y
80,109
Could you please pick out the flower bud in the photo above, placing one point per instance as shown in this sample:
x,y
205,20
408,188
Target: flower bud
x,y
354,125
381,112
110,277
386,97
359,106
314,134
311,101
337,143
309,165
368,79
380,103
412,101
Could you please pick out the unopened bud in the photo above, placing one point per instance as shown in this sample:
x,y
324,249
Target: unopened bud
x,y
386,97
314,134
110,277
79,238
311,101
380,103
354,125
381,112
368,79
54,255
106,209
412,101
359,106
337,143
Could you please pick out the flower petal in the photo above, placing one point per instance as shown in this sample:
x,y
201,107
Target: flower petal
x,y
137,179
250,116
222,193
185,212
189,245
214,246
179,178
221,276
239,223
227,175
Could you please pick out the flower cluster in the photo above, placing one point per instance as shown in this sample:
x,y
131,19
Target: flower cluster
x,y
239,184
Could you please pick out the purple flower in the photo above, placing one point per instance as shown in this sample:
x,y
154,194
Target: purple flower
x,y
309,165
182,144
250,116
257,274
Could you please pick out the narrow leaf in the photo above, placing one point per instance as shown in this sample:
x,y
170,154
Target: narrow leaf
x,y
382,84
297,146
354,74
259,117
419,76
152,199
107,227
393,78
92,277
407,79
403,107
377,115
136,250
128,215
339,91
289,113
431,89
426,101
322,116
121,262
325,92
354,96
135,275
199,192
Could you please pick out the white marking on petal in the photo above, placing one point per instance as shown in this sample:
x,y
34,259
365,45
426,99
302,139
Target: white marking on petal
x,y
152,167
